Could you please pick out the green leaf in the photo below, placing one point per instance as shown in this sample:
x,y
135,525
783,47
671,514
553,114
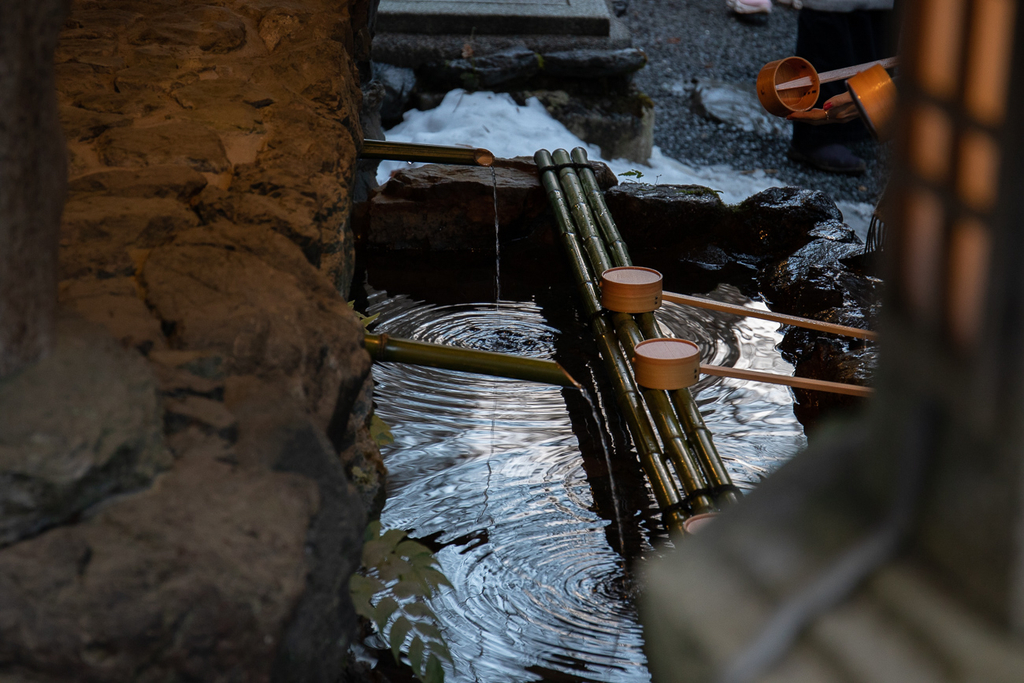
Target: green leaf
x,y
416,655
399,630
376,553
435,673
394,568
362,589
392,537
408,588
411,549
380,432
435,578
385,608
372,532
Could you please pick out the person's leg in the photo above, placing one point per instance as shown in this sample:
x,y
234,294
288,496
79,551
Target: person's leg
x,y
826,40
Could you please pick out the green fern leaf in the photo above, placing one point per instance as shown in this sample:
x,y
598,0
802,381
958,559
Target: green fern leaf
x,y
399,630
434,673
416,655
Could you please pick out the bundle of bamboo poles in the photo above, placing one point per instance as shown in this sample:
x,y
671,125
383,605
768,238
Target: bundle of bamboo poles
x,y
667,428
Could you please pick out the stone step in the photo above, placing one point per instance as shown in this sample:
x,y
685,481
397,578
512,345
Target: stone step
x,y
495,17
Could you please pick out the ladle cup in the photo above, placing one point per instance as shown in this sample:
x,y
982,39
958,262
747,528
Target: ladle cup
x,y
785,102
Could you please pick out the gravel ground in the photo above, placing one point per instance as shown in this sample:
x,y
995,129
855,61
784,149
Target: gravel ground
x,y
691,40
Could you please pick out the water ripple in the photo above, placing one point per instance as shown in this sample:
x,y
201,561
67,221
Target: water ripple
x,y
491,468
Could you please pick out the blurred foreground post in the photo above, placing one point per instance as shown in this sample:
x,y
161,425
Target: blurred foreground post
x,y
892,550
33,179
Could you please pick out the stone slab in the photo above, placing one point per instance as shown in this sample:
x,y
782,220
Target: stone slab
x,y
500,17
412,50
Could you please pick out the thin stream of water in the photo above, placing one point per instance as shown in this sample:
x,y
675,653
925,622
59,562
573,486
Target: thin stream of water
x,y
497,242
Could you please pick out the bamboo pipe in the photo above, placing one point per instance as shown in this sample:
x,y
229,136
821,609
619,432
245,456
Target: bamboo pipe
x,y
612,239
385,348
438,154
686,409
798,382
838,74
695,485
795,321
626,392
692,476
581,213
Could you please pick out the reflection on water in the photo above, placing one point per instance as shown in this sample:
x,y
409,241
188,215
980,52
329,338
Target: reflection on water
x,y
492,469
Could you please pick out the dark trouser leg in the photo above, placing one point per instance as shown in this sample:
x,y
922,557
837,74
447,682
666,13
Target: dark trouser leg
x,y
832,40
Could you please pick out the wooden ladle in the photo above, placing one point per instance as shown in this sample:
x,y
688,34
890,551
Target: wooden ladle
x,y
791,85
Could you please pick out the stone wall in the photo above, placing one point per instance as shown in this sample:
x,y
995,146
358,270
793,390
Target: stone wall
x,y
175,475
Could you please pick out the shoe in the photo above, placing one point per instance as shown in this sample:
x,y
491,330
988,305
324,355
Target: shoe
x,y
750,11
833,158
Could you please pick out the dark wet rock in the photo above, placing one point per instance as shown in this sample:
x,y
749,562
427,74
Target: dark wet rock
x,y
666,216
836,231
622,125
452,207
835,360
736,105
777,221
690,220
513,64
77,427
813,279
398,83
593,63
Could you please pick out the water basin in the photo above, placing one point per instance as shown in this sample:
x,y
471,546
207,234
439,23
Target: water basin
x,y
537,527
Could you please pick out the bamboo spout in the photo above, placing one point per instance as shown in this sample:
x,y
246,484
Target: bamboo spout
x,y
438,154
384,348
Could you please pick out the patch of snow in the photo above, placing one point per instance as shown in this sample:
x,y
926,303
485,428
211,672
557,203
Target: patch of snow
x,y
494,121
857,215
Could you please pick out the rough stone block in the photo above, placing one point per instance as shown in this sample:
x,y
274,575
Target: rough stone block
x,y
196,578
75,428
250,295
175,182
117,304
186,144
102,235
211,29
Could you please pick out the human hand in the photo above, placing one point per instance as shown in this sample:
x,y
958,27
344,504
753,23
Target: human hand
x,y
838,109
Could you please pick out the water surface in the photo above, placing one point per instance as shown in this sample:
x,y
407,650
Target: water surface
x,y
537,533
